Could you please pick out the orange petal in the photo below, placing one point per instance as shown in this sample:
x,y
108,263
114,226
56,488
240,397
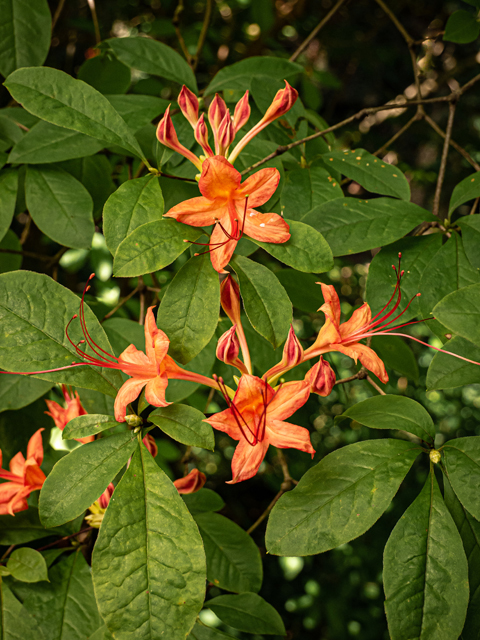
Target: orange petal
x,y
155,391
331,307
221,248
35,447
289,436
58,413
198,212
225,421
129,391
259,187
288,398
266,227
191,483
34,476
17,464
156,341
360,319
219,179
247,459
367,357
132,357
251,394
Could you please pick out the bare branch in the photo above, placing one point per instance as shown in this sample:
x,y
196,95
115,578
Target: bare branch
x,y
443,163
203,34
319,26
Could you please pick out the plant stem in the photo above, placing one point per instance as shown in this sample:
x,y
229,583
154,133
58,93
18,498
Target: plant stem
x,y
319,26
443,163
203,35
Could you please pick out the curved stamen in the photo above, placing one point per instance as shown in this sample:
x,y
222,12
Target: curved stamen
x,y
235,412
397,317
91,343
397,272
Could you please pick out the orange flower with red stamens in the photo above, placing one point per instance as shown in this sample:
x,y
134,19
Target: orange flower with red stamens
x,y
73,409
24,477
255,418
229,205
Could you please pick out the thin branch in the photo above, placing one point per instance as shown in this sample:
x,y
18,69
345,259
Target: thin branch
x,y
406,36
287,478
28,254
443,162
176,23
72,535
57,13
26,230
319,26
121,303
141,286
375,386
8,552
474,206
203,34
456,146
400,132
266,512
93,10
361,375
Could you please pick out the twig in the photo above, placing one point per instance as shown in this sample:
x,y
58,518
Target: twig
x,y
72,535
453,144
287,478
167,175
26,230
375,386
138,172
209,399
319,26
93,10
407,37
141,286
443,163
474,206
57,13
121,303
266,512
176,23
8,552
400,132
27,254
203,35
361,375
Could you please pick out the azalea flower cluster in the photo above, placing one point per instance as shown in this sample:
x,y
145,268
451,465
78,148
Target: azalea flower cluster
x,y
225,202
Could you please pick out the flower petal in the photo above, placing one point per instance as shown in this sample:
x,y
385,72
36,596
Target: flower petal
x,y
289,436
247,459
34,476
360,319
58,413
288,398
155,391
129,391
221,247
367,357
156,341
17,464
191,483
259,187
266,227
225,421
219,179
35,447
331,306
133,357
198,212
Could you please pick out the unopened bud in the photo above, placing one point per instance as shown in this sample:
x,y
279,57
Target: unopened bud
x,y
191,483
151,445
104,499
167,135
282,102
201,135
230,299
216,113
228,346
435,456
188,103
242,113
133,420
226,133
293,350
321,378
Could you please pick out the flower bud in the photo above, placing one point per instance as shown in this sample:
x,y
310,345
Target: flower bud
x,y
133,420
321,378
201,135
226,133
191,483
228,346
188,103
282,102
216,113
104,499
150,443
293,350
167,135
242,113
230,299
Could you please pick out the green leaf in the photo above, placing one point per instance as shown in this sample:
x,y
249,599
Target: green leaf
x,y
239,76
184,424
305,189
80,478
46,143
25,33
340,498
105,74
134,203
351,226
469,530
306,250
88,425
460,312
233,559
372,173
95,173
425,572
461,27
34,311
202,632
397,355
393,412
19,391
467,189
301,289
8,198
266,302
27,565
178,390
56,97
148,563
190,307
203,501
138,110
101,634
462,464
25,527
16,622
10,261
60,206
446,372
470,226
65,607
122,332
247,612
154,58
152,247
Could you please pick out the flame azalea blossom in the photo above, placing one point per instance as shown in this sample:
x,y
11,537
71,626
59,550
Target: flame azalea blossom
x,y
73,409
24,477
98,508
255,418
191,483
229,205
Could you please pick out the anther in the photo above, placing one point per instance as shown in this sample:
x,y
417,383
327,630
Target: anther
x,y
92,275
75,316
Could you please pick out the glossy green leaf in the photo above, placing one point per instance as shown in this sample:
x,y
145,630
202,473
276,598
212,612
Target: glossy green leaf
x,y
239,75
122,332
138,110
425,572
65,607
10,261
88,425
446,371
19,391
461,27
469,530
470,226
233,559
247,612
148,563
80,478
25,527
462,463
393,412
105,74
460,312
152,247
397,355
24,34
466,190
154,58
266,302
46,143
306,189
16,622
203,501
190,307
56,97
202,632
8,198
10,132
27,565
95,173
34,311
202,363
306,250
60,206
101,634
134,203
350,225
340,498
184,424
302,289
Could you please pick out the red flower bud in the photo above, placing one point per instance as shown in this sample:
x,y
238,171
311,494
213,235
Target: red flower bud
x,y
242,113
188,103
226,133
283,101
230,299
321,378
191,483
201,135
216,113
104,499
149,442
293,350
228,346
167,135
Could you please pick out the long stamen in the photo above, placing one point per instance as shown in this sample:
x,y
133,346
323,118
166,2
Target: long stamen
x,y
397,272
397,317
235,412
394,308
91,343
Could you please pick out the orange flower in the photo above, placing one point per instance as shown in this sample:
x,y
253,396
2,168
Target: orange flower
x,y
229,205
73,409
24,477
255,418
191,483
